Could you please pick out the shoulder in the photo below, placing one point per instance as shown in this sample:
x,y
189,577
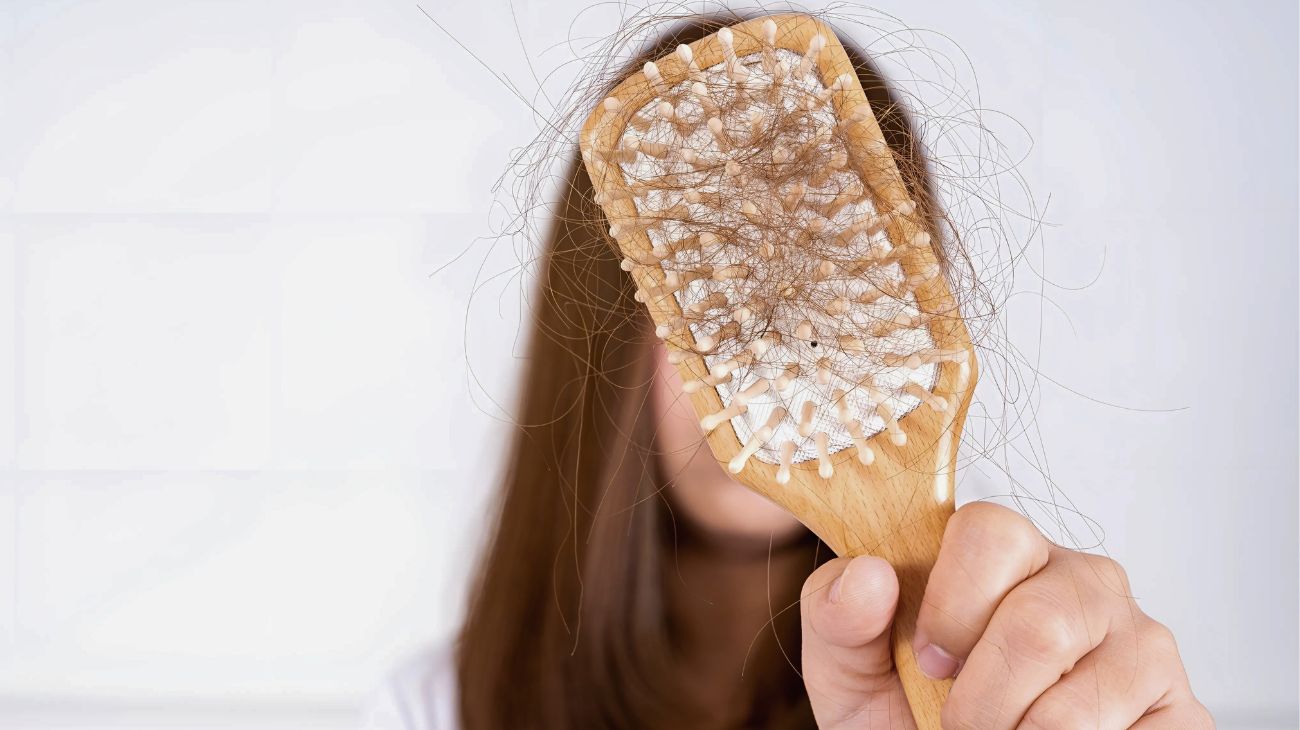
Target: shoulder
x,y
419,694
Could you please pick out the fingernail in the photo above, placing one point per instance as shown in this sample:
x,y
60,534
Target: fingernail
x,y
838,583
835,587
936,663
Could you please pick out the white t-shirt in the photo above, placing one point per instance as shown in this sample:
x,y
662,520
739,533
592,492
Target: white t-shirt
x,y
420,694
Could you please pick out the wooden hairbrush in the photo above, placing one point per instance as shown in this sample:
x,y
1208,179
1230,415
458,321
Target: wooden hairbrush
x,y
795,282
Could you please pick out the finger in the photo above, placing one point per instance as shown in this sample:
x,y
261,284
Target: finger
x,y
1038,633
1179,708
987,550
1115,684
847,608
1185,713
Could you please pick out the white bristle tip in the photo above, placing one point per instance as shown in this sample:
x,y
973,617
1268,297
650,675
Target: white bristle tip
x,y
656,79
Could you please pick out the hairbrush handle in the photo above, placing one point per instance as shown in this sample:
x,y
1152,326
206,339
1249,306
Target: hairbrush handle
x,y
902,520
913,555
896,509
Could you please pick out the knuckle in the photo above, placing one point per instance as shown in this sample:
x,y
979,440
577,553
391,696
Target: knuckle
x,y
1156,632
1111,574
1041,630
1042,642
1200,716
992,529
1159,637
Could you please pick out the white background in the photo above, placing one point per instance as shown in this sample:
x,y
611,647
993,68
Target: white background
x,y
242,468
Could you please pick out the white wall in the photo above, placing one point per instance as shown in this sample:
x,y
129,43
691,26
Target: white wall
x,y
245,465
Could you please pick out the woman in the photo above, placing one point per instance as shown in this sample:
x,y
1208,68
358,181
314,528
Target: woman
x,y
630,583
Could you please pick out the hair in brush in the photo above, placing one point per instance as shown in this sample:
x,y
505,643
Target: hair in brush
x,y
767,257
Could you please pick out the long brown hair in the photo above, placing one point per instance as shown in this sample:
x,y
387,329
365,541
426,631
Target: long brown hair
x,y
567,624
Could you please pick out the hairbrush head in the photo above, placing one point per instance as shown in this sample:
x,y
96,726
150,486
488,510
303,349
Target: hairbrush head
x,y
796,282
772,238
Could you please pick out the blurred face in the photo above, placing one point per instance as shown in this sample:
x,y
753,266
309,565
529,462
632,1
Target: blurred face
x,y
701,490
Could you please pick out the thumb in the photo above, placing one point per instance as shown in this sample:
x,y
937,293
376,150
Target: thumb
x,y
847,607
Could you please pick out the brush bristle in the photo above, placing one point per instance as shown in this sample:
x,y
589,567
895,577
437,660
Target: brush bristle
x,y
771,245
